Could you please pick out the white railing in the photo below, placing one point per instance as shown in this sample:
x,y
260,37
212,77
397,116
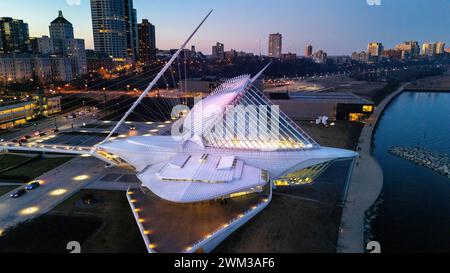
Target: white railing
x,y
57,148
47,147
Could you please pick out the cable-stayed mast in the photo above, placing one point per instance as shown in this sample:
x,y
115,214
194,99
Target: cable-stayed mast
x,y
155,80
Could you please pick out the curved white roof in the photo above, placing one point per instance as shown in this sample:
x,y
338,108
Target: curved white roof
x,y
189,191
209,110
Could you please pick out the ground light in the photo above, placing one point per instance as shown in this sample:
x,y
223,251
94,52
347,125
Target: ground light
x,y
58,192
81,177
29,211
41,182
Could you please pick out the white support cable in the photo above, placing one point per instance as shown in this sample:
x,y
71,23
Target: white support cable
x,y
150,86
289,121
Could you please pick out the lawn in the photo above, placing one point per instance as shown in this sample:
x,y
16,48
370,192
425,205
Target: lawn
x,y
6,189
48,234
344,134
106,227
9,160
288,225
34,168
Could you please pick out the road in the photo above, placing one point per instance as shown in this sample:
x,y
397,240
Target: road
x,y
58,185
46,125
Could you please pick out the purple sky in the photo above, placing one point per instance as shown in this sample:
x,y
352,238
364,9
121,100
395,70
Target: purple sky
x,y
336,26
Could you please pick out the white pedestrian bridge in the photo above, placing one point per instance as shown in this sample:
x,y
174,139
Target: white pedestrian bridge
x,y
59,149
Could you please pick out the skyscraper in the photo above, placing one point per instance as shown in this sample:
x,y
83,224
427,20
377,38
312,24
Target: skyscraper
x,y
375,49
308,51
132,31
60,31
218,50
440,47
429,49
64,45
147,42
410,49
275,45
114,25
14,36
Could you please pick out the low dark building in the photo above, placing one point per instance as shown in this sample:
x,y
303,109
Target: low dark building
x,y
97,60
335,105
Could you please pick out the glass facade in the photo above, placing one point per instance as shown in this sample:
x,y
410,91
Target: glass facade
x,y
302,177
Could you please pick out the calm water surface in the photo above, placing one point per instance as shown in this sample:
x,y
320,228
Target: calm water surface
x,y
414,215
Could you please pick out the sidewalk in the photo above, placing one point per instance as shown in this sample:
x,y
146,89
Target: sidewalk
x,y
365,186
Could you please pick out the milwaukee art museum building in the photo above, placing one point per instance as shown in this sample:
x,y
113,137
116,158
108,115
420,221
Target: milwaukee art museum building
x,y
218,171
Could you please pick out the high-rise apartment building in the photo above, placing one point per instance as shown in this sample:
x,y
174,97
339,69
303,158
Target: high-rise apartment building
x,y
42,45
61,30
429,49
308,51
440,48
218,50
14,35
410,49
275,45
147,42
114,24
375,49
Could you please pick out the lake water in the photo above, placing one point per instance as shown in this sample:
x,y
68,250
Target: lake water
x,y
414,215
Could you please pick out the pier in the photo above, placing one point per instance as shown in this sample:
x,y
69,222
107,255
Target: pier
x,y
438,162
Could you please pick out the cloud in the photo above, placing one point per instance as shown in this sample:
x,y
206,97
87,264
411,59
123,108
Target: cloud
x,y
73,2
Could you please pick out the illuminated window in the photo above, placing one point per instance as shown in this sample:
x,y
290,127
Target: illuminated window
x,y
356,116
302,177
368,108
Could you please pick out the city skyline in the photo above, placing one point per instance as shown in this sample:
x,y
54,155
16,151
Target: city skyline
x,y
374,23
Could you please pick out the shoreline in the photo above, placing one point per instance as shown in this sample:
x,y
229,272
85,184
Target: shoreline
x,y
365,185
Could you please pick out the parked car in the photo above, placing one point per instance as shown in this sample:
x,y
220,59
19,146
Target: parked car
x,y
18,193
32,186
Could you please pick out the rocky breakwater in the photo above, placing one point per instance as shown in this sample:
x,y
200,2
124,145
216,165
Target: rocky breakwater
x,y
437,162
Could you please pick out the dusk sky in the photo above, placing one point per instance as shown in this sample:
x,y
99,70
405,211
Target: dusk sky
x,y
336,26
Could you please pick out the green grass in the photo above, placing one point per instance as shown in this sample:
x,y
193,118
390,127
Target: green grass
x,y
9,160
119,232
287,225
48,234
106,227
36,167
5,189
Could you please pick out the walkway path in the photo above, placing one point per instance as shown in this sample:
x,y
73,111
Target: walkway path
x,y
365,186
